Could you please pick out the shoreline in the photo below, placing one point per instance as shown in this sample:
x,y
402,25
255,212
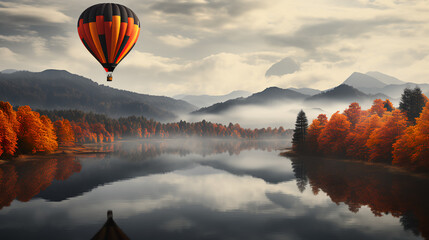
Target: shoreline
x,y
79,149
394,169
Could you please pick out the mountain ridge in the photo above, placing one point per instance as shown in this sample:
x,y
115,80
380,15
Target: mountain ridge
x,y
269,95
59,89
384,78
344,92
205,100
360,80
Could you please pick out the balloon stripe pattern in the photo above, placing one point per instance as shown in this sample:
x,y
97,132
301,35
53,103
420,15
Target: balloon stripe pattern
x,y
109,31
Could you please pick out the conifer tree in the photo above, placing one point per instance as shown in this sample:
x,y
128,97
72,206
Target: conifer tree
x,y
300,132
412,103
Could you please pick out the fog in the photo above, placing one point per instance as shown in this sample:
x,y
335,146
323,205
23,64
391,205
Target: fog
x,y
273,115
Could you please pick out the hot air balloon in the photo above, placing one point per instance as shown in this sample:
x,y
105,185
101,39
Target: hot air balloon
x,y
109,31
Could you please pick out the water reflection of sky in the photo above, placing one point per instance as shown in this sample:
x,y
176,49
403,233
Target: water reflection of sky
x,y
218,196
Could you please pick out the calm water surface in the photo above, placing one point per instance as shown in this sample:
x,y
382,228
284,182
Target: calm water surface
x,y
209,189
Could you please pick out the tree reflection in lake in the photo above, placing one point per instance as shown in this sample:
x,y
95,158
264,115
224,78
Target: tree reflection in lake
x,y
25,179
384,191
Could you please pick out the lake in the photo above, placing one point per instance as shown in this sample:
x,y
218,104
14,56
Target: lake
x,y
209,189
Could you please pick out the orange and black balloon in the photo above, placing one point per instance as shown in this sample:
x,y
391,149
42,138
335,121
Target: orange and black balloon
x,y
109,31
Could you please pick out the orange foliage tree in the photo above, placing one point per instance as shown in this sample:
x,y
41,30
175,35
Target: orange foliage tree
x,y
378,107
9,127
356,140
332,138
412,148
64,132
388,105
314,131
353,114
381,139
48,135
36,134
10,114
8,138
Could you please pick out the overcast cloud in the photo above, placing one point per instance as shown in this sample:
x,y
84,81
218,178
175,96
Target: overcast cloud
x,y
217,46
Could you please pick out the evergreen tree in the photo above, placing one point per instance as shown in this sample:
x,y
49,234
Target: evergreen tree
x,y
300,132
412,103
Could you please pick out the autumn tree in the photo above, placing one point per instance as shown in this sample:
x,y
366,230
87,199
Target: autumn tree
x,y
421,155
332,138
48,135
381,140
356,140
323,119
10,114
412,103
300,132
411,150
353,114
314,131
378,107
405,147
8,138
388,105
35,134
64,132
9,128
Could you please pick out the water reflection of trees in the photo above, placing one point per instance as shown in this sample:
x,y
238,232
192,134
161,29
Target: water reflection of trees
x,y
139,150
24,180
356,185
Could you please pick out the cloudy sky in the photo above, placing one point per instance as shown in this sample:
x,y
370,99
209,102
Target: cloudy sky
x,y
217,46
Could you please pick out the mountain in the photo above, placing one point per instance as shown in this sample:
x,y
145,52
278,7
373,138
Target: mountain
x,y
343,93
386,79
7,71
379,83
363,82
268,96
396,91
306,91
59,89
207,100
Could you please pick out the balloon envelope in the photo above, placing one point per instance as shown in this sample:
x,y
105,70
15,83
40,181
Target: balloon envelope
x,y
109,31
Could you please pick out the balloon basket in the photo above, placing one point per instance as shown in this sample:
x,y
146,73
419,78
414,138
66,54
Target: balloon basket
x,y
109,76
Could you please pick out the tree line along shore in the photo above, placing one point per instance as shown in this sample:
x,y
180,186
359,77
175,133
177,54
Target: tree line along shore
x,y
383,133
25,131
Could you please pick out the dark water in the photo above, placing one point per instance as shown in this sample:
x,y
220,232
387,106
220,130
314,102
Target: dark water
x,y
182,189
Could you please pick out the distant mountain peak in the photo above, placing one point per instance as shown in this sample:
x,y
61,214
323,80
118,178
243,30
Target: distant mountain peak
x,y
55,71
341,92
267,96
384,78
208,100
274,93
360,80
8,71
306,91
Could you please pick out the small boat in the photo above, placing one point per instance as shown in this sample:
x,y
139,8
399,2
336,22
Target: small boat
x,y
110,231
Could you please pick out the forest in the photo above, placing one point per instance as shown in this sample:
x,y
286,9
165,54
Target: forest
x,y
23,130
380,134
